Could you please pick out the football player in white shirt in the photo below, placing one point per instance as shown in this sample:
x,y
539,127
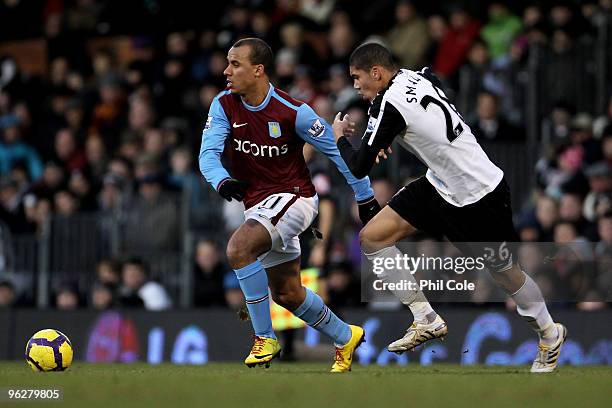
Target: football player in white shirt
x,y
463,195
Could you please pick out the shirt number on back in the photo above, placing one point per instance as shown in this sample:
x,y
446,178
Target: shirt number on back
x,y
451,132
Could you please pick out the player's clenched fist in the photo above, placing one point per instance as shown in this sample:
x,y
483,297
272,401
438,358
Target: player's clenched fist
x,y
232,188
342,126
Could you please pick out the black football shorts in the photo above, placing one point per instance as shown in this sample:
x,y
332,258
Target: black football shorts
x,y
487,221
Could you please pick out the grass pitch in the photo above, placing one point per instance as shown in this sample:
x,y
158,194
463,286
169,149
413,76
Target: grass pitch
x,y
309,385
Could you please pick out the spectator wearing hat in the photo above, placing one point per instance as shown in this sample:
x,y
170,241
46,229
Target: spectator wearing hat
x,y
14,150
111,196
599,200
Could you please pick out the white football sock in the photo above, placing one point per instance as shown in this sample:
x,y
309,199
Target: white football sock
x,y
414,299
530,304
422,311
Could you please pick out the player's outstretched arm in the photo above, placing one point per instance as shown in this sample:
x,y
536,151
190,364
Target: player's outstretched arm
x,y
317,132
215,132
383,125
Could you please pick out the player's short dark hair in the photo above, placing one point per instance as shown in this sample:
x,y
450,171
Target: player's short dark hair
x,y
261,53
367,55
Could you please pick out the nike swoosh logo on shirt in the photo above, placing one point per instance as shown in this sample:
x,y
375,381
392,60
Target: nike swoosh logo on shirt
x,y
236,125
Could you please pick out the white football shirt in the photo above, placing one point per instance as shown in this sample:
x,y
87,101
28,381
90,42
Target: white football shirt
x,y
436,133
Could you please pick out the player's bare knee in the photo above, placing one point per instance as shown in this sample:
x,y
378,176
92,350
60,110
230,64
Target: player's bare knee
x,y
234,255
368,240
246,244
239,253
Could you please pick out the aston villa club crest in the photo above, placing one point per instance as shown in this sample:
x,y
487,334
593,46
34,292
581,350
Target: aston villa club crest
x,y
274,129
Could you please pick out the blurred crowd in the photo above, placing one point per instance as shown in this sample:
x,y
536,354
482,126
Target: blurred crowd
x,y
114,131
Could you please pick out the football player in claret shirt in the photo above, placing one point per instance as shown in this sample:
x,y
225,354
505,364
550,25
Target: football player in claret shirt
x,y
262,130
463,195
